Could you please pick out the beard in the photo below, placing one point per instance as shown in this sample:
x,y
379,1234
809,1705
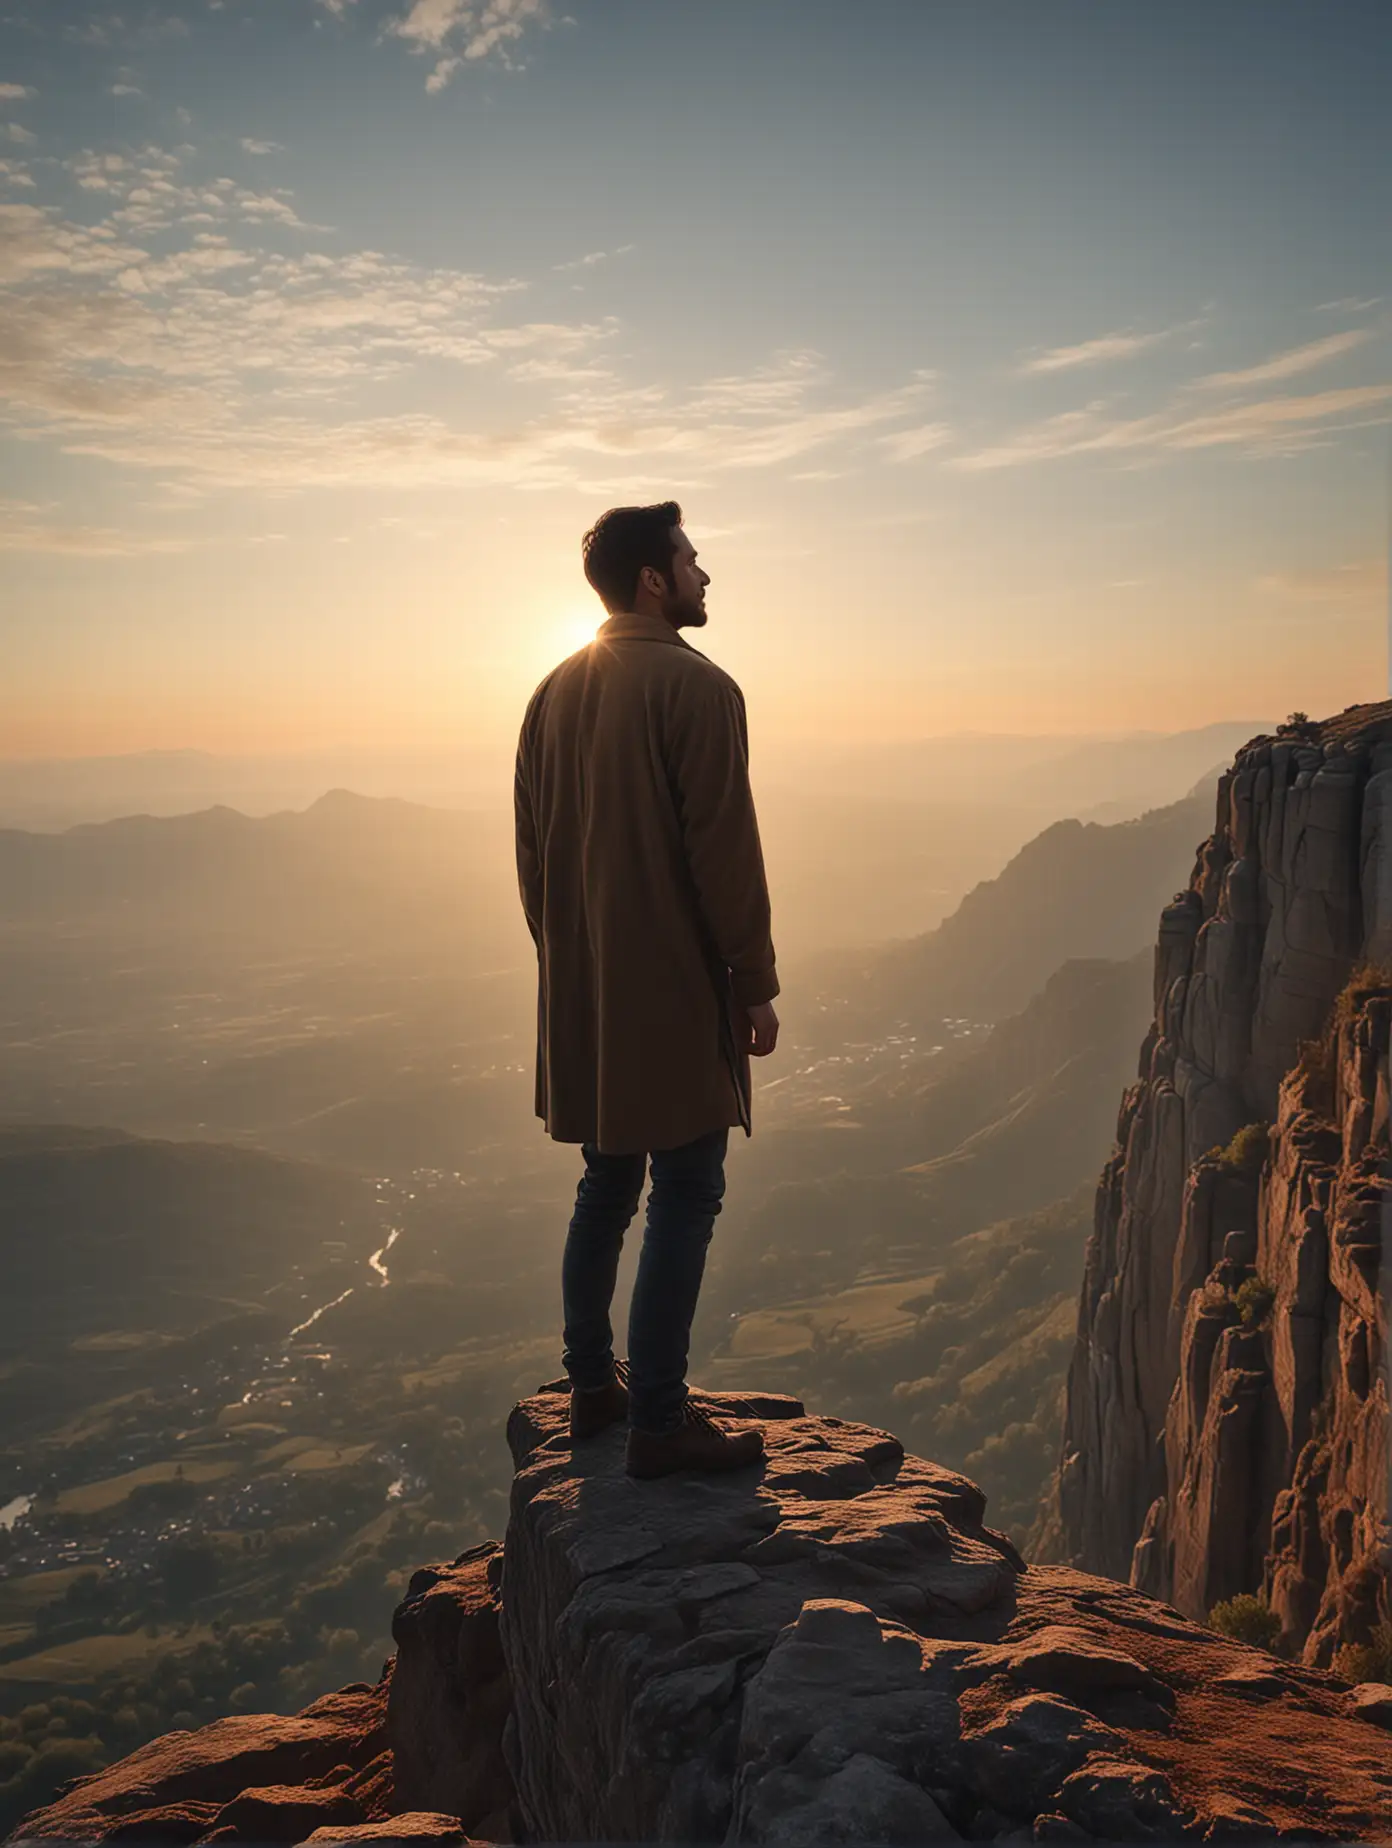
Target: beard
x,y
686,612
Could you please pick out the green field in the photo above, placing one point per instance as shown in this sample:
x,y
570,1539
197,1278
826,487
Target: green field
x,y
101,1497
21,1597
327,1456
869,1312
77,1664
123,1341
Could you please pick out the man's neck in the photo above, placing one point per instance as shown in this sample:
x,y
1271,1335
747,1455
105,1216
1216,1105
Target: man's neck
x,y
654,615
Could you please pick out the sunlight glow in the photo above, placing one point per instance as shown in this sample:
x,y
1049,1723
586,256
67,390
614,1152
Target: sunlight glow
x,y
575,630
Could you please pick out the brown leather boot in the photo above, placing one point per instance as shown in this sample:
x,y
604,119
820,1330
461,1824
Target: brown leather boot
x,y
593,1412
697,1443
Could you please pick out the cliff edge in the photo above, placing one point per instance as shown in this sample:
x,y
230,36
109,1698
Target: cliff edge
x,y
830,1646
1226,1428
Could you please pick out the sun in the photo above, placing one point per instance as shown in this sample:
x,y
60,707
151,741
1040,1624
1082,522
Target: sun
x,y
575,630
555,635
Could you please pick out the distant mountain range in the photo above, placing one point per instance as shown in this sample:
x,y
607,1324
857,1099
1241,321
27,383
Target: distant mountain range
x,y
1071,775
863,848
892,1167
63,792
1079,889
347,869
353,982
1051,776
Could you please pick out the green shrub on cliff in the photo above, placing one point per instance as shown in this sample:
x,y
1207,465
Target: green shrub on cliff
x,y
1254,1298
1367,980
1370,1661
1246,1619
1247,1150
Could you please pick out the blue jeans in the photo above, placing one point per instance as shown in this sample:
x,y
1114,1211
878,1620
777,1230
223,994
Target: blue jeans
x,y
688,1184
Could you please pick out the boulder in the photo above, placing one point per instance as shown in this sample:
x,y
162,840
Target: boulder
x,y
1123,1801
283,1813
410,1826
1372,1701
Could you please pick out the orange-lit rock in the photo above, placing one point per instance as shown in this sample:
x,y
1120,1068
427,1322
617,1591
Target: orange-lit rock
x,y
1227,1427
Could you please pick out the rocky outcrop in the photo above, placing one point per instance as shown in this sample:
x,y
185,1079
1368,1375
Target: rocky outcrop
x,y
636,1624
252,1777
836,1647
450,1695
830,1646
1226,1424
417,1757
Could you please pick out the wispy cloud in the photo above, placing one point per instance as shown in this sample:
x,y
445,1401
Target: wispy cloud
x,y
125,89
173,336
1288,365
156,192
593,258
93,31
908,445
1349,304
459,32
1364,581
98,172
31,526
1266,427
16,92
1271,426
173,326
21,137
250,145
1102,350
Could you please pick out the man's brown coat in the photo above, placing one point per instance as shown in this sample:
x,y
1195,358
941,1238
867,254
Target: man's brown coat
x,y
643,884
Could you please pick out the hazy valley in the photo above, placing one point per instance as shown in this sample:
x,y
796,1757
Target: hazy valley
x,y
286,1233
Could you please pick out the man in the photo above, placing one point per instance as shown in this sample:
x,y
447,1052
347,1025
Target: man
x,y
643,884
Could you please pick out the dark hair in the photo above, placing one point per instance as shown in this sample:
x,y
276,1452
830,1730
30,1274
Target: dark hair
x,y
621,542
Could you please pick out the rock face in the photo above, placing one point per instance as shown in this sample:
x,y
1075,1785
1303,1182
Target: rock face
x,y
1226,1427
829,1646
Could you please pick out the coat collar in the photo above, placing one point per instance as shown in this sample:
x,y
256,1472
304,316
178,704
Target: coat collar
x,y
629,626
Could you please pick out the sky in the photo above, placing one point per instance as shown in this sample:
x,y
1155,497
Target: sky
x,y
1019,366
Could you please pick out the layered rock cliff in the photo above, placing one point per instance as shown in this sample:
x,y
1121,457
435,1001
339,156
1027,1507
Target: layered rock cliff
x,y
1226,1424
830,1646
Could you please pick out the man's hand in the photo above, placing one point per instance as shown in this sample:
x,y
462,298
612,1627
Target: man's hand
x,y
763,1029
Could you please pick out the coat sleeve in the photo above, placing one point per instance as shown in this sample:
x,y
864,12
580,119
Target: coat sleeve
x,y
528,848
709,767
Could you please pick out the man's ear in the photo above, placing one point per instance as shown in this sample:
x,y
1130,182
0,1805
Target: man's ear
x,y
652,581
